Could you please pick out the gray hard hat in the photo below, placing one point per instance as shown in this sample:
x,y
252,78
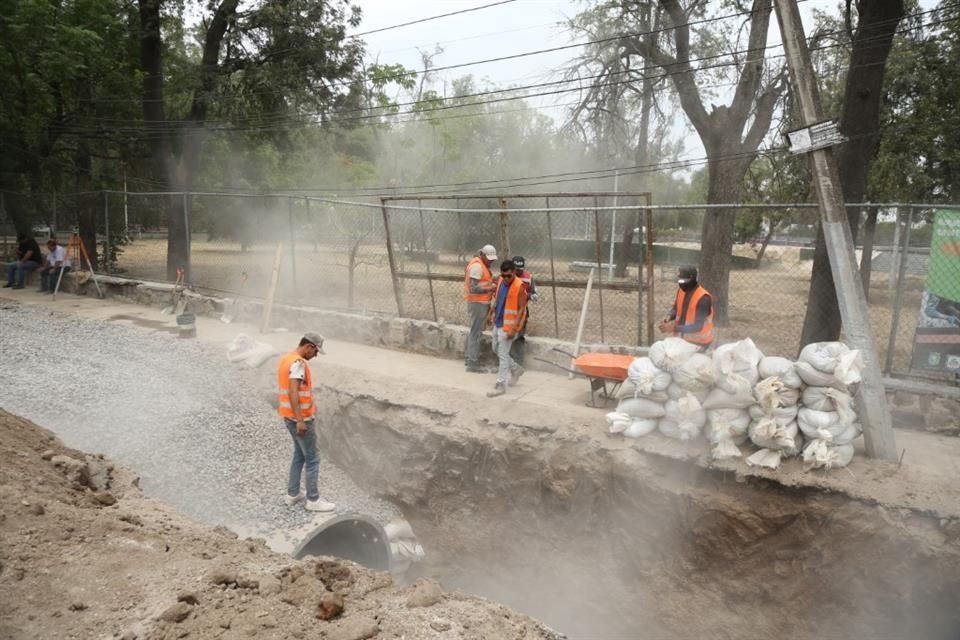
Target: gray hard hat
x,y
687,273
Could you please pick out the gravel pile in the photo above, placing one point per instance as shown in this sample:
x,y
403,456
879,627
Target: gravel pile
x,y
192,425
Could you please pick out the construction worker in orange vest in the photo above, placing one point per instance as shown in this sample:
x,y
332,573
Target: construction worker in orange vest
x,y
691,316
530,285
478,292
297,408
509,315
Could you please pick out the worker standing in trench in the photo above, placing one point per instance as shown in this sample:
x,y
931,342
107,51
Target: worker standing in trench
x,y
478,292
297,408
691,316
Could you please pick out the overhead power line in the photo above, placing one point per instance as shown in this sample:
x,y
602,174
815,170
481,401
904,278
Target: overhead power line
x,y
429,18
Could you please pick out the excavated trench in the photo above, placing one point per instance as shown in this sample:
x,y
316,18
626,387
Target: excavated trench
x,y
615,543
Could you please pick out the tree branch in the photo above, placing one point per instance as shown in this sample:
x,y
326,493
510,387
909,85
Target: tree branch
x,y
752,72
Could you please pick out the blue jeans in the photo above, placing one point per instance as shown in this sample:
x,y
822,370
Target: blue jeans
x,y
304,453
502,344
49,277
17,274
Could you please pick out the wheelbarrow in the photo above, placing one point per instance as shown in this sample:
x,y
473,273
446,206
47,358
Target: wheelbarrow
x,y
605,371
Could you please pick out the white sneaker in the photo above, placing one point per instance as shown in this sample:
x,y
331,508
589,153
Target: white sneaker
x,y
320,505
292,500
515,375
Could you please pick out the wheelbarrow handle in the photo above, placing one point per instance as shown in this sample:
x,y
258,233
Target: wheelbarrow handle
x,y
566,353
559,366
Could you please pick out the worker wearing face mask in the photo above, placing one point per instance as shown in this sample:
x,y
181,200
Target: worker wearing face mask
x,y
691,316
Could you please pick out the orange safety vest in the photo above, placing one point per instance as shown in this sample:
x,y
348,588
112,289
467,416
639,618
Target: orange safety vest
x,y
515,309
705,335
485,278
307,408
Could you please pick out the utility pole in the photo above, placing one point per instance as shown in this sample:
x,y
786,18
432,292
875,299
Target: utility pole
x,y
613,225
871,400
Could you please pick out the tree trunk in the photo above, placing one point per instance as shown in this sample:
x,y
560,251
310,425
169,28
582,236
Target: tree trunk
x,y
88,204
860,122
716,244
766,242
866,260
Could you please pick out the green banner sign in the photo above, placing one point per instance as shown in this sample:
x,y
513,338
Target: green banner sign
x,y
936,344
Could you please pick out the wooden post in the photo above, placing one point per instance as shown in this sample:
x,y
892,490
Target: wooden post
x,y
393,265
426,259
553,274
871,399
898,298
626,253
293,243
648,262
598,245
891,284
106,231
505,230
274,279
583,319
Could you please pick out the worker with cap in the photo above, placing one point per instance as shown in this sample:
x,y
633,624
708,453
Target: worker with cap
x,y
530,286
297,408
509,313
478,292
691,316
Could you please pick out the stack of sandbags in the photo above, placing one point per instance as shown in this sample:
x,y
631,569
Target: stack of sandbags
x,y
727,404
683,418
826,417
773,425
693,374
642,400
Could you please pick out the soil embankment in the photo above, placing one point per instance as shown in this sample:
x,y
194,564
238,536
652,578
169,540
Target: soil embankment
x,y
84,554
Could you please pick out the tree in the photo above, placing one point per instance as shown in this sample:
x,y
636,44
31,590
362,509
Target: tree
x,y
731,134
859,121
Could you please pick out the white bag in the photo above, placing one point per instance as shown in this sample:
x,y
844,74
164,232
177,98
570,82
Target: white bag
x,y
725,450
640,428
641,408
767,433
727,424
629,390
827,399
786,370
821,454
834,358
816,378
737,384
684,418
782,415
248,351
670,353
646,377
772,393
720,399
768,458
698,373
618,422
675,392
740,358
813,423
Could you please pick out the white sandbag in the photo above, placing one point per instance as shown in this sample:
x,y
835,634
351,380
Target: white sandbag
x,y
630,390
834,358
813,423
827,399
720,399
786,370
670,353
771,393
737,384
698,373
727,424
646,377
767,433
683,419
640,428
675,392
740,357
767,458
820,454
725,450
782,415
641,408
816,378
248,351
618,422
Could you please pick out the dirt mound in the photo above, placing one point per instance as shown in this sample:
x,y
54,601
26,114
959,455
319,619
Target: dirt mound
x,y
84,554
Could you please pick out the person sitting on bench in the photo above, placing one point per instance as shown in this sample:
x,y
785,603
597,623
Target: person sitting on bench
x,y
56,261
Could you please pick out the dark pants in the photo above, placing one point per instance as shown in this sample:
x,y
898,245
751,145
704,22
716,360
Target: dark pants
x,y
478,318
49,277
17,274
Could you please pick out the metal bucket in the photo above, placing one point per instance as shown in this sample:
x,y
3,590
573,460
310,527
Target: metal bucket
x,y
187,323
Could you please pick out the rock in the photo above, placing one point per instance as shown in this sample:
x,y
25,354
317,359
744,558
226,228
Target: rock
x,y
129,635
77,606
354,628
105,498
48,454
304,592
439,624
269,585
222,575
331,606
37,509
188,597
177,613
330,571
98,474
424,593
74,470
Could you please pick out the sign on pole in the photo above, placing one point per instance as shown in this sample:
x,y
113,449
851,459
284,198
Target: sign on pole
x,y
936,344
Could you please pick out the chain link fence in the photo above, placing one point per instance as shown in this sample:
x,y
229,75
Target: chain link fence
x,y
335,254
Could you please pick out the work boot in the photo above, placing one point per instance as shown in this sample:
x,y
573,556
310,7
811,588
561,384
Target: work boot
x,y
515,374
320,505
476,369
8,285
498,390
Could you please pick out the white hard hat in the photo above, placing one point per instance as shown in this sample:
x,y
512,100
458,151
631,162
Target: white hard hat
x,y
489,252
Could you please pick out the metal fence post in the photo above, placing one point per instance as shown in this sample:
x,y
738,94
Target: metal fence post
x,y
188,269
553,273
393,265
894,265
505,229
626,255
898,298
648,261
293,243
106,229
426,259
598,245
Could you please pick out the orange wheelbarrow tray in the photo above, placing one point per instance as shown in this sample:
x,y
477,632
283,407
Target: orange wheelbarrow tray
x,y
605,371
